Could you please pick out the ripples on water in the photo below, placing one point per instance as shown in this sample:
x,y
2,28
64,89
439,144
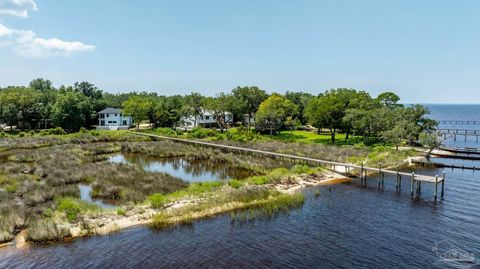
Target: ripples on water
x,y
347,226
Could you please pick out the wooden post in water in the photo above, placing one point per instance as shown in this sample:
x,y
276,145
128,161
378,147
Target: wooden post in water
x,y
412,184
435,189
361,175
443,184
419,188
396,183
379,173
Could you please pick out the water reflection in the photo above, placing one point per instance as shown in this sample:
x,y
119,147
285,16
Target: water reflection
x,y
86,195
191,171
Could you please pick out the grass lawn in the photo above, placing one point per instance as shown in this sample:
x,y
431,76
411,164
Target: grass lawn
x,y
312,137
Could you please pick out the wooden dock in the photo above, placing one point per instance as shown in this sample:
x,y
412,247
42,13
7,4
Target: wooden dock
x,y
443,165
448,133
349,169
474,122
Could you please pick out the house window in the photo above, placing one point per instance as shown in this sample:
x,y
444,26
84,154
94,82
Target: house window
x,y
214,117
115,115
207,117
124,122
108,115
109,121
102,116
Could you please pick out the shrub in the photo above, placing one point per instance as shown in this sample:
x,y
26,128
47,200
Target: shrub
x,y
121,212
72,207
3,134
277,175
202,133
83,130
301,169
258,180
157,200
21,134
234,183
57,131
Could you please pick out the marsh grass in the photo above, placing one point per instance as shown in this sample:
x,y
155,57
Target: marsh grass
x,y
44,230
259,201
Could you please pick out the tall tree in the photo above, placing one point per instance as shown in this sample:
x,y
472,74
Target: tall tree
x,y
247,102
273,112
301,99
137,107
219,106
68,111
193,106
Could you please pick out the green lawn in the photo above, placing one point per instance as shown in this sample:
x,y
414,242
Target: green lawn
x,y
312,137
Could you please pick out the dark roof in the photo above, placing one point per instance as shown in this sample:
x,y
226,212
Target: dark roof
x,y
110,110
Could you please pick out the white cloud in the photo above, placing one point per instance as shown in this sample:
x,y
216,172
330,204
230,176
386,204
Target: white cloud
x,y
18,8
26,43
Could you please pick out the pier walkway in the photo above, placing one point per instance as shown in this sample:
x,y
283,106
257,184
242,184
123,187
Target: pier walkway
x,y
350,169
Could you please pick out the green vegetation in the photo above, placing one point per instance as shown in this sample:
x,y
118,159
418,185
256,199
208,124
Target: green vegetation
x,y
43,230
72,207
344,113
157,200
259,201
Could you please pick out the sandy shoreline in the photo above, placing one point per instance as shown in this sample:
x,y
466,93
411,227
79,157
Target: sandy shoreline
x,y
142,215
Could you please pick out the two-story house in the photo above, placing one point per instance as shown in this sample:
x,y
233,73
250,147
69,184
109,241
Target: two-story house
x,y
113,119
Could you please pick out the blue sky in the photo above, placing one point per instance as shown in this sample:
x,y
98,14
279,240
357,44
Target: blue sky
x,y
427,51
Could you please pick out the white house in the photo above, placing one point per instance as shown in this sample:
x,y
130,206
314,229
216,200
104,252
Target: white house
x,y
207,119
113,119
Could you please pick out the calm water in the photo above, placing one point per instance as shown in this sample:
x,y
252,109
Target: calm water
x,y
461,113
191,171
347,226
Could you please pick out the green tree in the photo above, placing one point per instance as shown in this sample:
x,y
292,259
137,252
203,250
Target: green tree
x,y
247,102
68,111
193,106
167,111
9,114
273,112
137,107
389,99
301,99
219,106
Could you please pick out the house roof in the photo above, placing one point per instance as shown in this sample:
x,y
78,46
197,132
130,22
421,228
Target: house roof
x,y
110,110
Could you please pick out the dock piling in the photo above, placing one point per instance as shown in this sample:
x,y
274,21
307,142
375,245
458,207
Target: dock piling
x,y
412,184
443,184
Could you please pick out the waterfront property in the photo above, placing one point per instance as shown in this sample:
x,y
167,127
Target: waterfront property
x,y
206,119
113,119
348,169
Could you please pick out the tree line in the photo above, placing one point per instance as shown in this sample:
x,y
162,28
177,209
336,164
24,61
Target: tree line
x,y
40,105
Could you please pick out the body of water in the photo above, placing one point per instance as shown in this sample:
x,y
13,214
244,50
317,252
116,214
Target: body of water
x,y
346,226
458,113
191,171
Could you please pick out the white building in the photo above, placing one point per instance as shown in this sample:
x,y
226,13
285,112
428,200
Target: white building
x,y
113,119
207,119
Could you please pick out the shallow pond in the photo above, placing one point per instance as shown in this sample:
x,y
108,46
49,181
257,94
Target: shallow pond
x,y
86,195
191,171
